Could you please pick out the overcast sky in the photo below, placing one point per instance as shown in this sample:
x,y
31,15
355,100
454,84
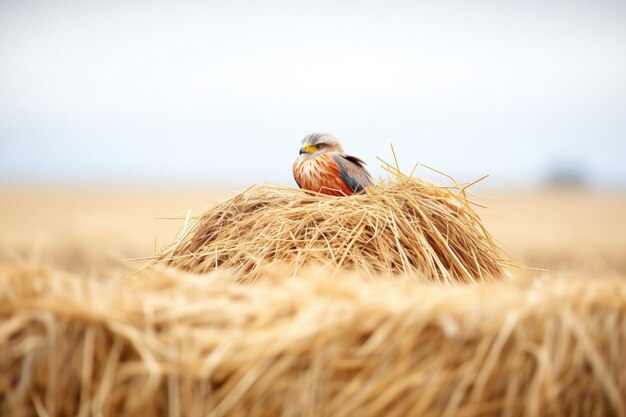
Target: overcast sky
x,y
133,91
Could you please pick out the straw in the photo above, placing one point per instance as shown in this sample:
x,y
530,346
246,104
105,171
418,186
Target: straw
x,y
171,344
403,225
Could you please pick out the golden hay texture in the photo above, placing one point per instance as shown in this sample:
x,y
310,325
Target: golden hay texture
x,y
402,226
167,344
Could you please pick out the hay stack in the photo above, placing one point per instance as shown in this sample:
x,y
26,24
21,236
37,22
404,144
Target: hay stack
x,y
309,346
404,226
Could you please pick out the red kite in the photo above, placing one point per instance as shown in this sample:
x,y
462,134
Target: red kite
x,y
325,168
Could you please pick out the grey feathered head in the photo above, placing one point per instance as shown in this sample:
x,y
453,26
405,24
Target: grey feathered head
x,y
317,142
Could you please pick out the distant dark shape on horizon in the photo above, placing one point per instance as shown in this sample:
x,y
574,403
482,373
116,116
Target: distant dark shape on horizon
x,y
567,175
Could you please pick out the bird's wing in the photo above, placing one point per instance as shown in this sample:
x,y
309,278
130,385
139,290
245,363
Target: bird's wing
x,y
356,160
353,172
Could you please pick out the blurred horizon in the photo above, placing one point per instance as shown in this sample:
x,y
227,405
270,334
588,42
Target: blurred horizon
x,y
204,93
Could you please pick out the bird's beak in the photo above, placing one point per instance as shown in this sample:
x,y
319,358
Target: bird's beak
x,y
308,149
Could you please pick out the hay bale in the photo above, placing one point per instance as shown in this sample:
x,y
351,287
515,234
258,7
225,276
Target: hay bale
x,y
403,226
169,344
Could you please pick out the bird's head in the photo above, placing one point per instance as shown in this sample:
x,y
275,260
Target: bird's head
x,y
317,143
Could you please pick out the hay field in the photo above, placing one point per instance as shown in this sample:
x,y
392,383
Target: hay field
x,y
80,337
90,229
82,229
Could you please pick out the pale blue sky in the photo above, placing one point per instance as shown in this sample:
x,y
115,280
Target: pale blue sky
x,y
134,91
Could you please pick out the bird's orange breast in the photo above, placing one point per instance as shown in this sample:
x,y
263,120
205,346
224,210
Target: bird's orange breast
x,y
320,174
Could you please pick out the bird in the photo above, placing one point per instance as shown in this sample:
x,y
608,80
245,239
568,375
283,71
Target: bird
x,y
322,166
